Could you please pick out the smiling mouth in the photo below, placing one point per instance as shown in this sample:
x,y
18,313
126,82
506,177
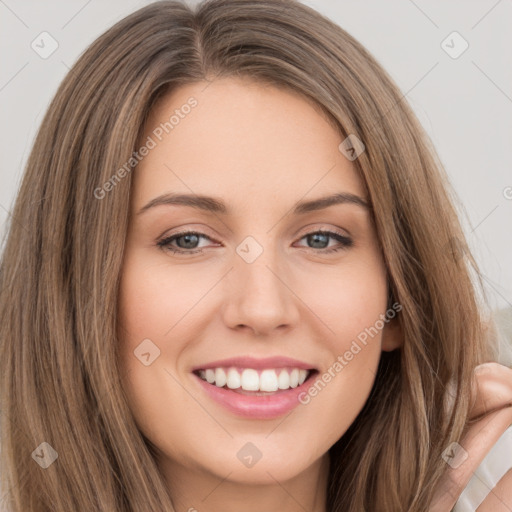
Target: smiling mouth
x,y
255,382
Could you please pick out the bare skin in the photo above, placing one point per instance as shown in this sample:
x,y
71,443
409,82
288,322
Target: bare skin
x,y
260,150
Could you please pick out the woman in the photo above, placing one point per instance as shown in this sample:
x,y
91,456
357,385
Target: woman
x,y
257,369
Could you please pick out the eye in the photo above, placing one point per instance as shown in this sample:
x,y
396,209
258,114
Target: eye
x,y
187,241
322,238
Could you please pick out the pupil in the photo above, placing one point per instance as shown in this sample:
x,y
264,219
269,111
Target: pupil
x,y
188,237
315,238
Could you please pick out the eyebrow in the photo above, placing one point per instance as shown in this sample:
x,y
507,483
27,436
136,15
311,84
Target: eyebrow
x,y
214,205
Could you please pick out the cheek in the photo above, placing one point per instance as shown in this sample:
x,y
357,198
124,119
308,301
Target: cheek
x,y
152,299
351,305
140,298
349,300
149,306
146,312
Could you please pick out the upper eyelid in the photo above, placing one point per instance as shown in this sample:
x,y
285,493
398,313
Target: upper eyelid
x,y
307,230
199,233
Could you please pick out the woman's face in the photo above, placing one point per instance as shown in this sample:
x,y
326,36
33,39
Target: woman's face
x,y
256,284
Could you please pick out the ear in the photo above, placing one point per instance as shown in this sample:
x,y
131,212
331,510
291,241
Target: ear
x,y
392,335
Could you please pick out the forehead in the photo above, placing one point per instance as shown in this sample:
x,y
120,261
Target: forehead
x,y
242,140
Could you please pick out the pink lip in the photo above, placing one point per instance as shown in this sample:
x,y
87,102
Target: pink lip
x,y
256,364
256,407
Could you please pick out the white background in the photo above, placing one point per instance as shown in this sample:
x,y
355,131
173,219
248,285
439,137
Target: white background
x,y
465,104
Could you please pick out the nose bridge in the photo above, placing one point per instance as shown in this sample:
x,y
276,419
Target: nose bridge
x,y
259,295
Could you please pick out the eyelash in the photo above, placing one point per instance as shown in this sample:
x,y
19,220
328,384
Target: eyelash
x,y
164,244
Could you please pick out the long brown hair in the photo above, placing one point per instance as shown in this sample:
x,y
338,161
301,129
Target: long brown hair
x,y
59,274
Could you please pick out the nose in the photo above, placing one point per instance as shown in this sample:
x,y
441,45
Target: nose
x,y
259,295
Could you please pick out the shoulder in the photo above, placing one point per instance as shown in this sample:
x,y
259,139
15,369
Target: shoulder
x,y
491,416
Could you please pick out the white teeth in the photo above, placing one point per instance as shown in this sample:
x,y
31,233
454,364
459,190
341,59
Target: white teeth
x,y
250,380
233,381
294,378
283,380
267,380
220,377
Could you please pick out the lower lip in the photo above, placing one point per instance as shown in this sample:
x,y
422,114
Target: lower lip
x,y
253,406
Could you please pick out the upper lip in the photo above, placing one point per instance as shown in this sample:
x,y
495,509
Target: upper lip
x,y
257,364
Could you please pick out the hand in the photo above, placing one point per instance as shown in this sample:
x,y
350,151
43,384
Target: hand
x,y
492,410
